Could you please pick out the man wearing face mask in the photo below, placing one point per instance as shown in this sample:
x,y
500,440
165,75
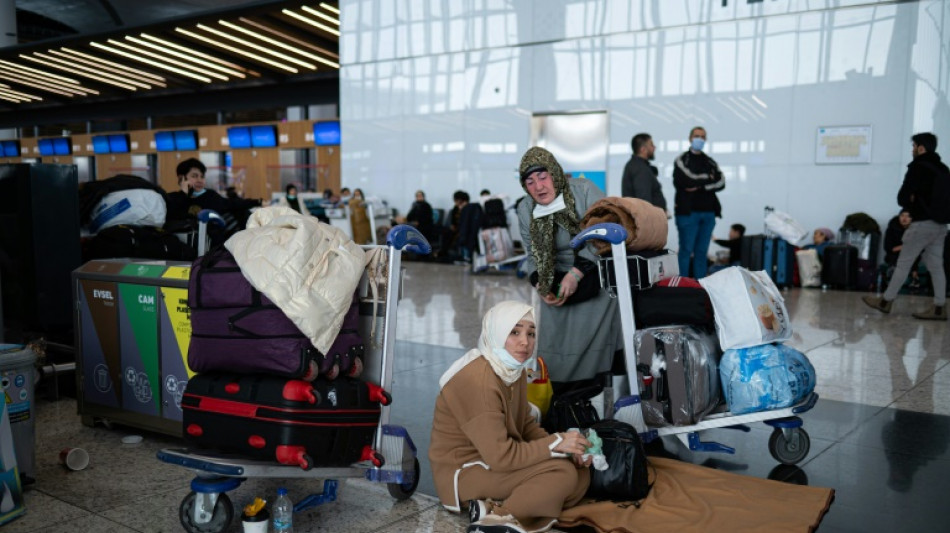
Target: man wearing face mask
x,y
639,176
697,179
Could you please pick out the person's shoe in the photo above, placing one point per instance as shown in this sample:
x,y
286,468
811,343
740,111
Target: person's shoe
x,y
477,509
878,303
937,312
492,523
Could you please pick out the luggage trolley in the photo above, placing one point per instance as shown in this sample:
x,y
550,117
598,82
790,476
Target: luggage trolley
x,y
208,509
789,442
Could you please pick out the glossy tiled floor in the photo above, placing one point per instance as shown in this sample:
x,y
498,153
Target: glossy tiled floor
x,y
879,434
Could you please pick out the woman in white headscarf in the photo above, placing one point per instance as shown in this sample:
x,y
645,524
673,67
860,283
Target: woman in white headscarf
x,y
487,449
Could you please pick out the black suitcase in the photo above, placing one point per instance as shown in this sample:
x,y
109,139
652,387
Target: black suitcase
x,y
661,306
752,256
295,422
839,266
680,365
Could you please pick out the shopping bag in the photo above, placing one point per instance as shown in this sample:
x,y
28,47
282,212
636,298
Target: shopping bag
x,y
540,389
748,308
809,267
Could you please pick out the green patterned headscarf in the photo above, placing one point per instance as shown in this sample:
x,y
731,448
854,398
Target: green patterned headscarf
x,y
542,229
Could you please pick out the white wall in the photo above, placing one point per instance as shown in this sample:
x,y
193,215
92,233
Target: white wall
x,y
438,96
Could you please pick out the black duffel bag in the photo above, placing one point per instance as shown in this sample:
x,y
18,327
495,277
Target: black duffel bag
x,y
143,242
662,306
626,477
572,409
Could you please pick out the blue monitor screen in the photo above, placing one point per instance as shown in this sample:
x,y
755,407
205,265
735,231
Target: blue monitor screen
x,y
100,144
164,141
62,146
118,144
263,136
46,147
186,140
326,133
11,149
239,137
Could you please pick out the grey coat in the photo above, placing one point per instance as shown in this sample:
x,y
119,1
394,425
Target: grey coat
x,y
576,341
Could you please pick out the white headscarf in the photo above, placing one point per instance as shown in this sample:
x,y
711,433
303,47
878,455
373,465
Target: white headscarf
x,y
496,325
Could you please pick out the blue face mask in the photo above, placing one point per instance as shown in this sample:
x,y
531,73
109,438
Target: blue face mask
x,y
291,196
198,193
698,144
508,360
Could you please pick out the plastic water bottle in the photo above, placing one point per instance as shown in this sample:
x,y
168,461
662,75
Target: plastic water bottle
x,y
283,511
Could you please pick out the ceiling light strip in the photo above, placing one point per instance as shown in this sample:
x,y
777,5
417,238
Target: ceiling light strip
x,y
258,47
13,99
185,49
237,50
168,60
42,80
14,94
43,73
310,21
10,90
285,46
330,8
96,73
290,38
150,62
324,16
117,65
97,76
96,62
186,57
21,81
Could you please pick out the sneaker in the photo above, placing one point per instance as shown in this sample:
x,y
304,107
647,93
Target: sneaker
x,y
934,313
477,509
878,303
492,523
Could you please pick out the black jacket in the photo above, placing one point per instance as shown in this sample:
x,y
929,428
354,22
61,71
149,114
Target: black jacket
x,y
701,172
915,192
640,181
893,236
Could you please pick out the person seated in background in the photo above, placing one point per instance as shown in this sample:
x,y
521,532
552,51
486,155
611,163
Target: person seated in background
x,y
821,239
345,196
420,216
893,242
487,450
734,244
359,219
183,206
469,224
291,198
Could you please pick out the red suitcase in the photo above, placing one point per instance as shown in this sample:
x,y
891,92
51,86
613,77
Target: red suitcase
x,y
295,422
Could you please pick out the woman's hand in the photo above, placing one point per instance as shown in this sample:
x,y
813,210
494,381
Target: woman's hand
x,y
572,442
579,461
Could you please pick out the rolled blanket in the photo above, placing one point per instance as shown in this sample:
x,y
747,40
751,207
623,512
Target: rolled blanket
x,y
645,223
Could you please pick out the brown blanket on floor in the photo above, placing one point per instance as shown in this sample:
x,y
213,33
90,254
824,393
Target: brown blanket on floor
x,y
645,223
687,497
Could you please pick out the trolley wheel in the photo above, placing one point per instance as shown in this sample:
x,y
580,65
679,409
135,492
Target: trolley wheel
x,y
789,452
307,462
220,517
403,491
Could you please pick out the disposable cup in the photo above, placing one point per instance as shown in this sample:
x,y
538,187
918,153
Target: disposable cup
x,y
74,458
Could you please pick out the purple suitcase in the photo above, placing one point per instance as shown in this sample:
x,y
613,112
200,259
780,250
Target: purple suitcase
x,y
235,328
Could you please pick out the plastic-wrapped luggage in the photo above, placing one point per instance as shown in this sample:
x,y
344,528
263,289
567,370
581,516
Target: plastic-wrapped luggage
x,y
296,422
765,377
679,365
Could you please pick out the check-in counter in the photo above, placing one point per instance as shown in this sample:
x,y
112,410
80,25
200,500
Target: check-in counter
x,y
132,327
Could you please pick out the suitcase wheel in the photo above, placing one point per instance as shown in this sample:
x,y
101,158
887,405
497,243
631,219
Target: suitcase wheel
x,y
369,454
378,394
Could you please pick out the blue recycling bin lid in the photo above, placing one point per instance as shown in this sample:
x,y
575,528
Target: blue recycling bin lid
x,y
15,355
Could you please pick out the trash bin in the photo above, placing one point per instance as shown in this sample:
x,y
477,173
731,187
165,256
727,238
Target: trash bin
x,y
16,382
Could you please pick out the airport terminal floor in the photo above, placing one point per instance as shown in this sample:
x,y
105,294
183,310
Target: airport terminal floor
x,y
879,433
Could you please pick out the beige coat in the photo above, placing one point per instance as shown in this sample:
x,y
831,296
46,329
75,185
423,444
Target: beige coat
x,y
480,422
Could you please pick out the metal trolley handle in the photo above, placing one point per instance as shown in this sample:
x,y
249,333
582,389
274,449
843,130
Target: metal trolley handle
x,y
408,238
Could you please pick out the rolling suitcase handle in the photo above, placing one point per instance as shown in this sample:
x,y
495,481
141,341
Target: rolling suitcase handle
x,y
206,216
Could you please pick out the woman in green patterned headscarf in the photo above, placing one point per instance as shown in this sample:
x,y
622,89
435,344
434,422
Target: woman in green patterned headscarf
x,y
582,336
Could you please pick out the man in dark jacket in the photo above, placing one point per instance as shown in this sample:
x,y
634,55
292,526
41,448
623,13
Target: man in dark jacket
x,y
924,235
697,179
639,176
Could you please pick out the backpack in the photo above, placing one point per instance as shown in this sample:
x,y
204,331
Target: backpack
x,y
939,206
626,478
